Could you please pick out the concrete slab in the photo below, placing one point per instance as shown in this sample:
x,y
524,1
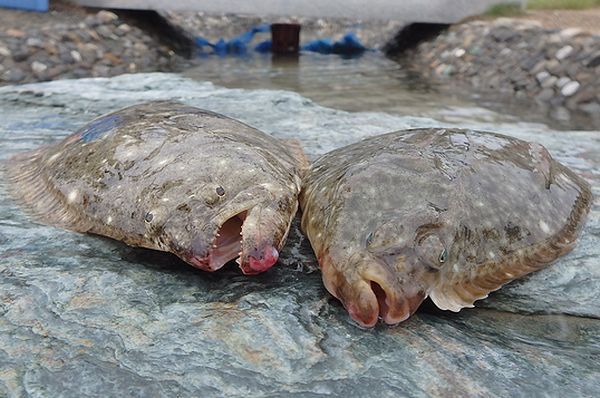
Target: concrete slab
x,y
436,11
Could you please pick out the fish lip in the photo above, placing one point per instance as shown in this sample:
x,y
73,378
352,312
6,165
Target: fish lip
x,y
255,265
371,295
252,264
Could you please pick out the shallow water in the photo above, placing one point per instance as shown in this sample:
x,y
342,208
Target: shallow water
x,y
374,82
83,315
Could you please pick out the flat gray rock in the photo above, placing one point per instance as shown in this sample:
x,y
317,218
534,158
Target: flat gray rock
x,y
86,316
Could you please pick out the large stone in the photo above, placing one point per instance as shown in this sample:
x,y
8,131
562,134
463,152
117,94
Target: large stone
x,y
87,316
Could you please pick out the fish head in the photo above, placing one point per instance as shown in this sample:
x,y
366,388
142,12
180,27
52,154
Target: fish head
x,y
233,217
382,268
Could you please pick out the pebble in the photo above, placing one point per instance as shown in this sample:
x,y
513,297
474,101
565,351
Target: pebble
x,y
106,17
594,61
549,82
562,81
459,52
545,95
75,55
570,88
38,67
92,46
564,52
34,42
560,68
542,76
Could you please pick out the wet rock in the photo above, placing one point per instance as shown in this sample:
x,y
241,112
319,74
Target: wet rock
x,y
86,316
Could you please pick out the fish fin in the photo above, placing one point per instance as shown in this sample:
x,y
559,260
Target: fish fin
x,y
455,290
31,187
295,147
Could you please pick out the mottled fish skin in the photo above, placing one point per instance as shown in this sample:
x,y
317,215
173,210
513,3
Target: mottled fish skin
x,y
171,177
446,213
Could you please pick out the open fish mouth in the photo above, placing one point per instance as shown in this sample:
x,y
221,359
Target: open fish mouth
x,y
228,245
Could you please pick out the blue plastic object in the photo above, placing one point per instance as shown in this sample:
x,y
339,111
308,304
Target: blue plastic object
x,y
347,45
238,45
264,47
32,5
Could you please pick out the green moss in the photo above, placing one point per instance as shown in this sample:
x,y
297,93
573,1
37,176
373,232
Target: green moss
x,y
504,10
562,4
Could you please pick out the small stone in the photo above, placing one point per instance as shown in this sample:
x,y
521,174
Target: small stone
x,y
20,55
123,28
549,82
105,16
594,61
459,52
15,33
570,88
38,67
562,81
569,33
34,42
554,66
112,58
542,76
14,75
104,31
538,67
564,52
91,21
545,95
593,108
75,55
5,52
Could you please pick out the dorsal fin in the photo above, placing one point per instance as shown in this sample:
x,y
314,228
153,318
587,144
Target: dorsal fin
x,y
31,187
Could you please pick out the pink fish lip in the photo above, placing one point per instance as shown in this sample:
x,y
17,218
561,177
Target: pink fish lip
x,y
371,297
260,263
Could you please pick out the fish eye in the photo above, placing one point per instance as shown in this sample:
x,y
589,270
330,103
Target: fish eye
x,y
443,257
148,217
220,190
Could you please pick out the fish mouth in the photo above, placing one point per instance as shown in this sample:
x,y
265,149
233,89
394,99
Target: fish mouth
x,y
372,295
382,302
228,245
